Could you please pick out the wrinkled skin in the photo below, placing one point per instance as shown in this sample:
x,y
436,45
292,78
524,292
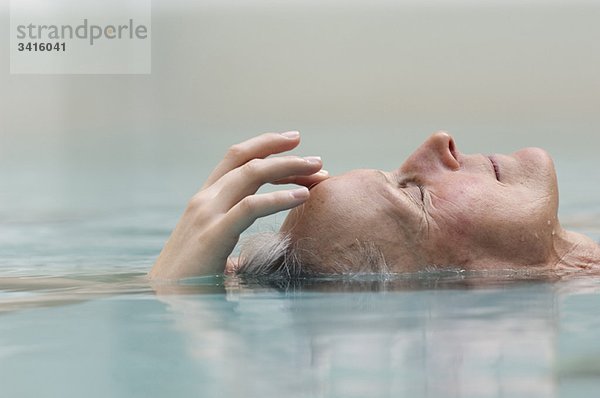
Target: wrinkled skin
x,y
441,208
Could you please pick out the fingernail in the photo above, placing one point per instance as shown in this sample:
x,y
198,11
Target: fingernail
x,y
300,193
291,134
313,159
323,172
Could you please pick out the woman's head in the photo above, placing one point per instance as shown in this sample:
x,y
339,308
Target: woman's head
x,y
440,208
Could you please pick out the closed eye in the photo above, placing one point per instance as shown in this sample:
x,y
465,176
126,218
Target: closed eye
x,y
422,191
405,184
495,167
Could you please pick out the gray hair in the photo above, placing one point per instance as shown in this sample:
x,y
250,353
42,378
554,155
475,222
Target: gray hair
x,y
276,255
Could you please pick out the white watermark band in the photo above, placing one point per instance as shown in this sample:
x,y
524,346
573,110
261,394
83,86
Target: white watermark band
x,y
80,36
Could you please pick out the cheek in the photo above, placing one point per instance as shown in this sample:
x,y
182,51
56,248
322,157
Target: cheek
x,y
473,204
477,220
459,211
464,201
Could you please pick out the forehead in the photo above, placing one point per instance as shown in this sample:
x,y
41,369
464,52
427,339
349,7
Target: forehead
x,y
375,189
363,198
350,189
355,181
351,208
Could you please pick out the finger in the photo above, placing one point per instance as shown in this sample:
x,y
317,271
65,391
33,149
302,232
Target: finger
x,y
307,181
247,179
256,147
243,214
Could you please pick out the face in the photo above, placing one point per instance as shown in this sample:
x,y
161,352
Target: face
x,y
440,208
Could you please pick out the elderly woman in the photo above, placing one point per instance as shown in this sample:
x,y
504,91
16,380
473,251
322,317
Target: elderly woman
x,y
439,209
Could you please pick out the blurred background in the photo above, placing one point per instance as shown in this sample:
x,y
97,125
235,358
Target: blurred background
x,y
364,82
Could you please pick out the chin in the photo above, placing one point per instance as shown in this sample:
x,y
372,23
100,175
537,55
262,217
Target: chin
x,y
535,155
541,174
538,162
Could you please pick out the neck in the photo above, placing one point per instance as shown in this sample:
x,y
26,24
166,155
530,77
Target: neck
x,y
575,251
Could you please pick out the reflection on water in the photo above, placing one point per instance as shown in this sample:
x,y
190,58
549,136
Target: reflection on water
x,y
21,292
436,335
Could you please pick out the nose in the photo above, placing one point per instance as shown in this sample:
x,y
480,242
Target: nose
x,y
437,153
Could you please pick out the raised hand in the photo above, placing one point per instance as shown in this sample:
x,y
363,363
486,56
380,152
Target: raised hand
x,y
227,204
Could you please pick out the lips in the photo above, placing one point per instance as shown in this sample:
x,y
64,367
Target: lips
x,y
495,167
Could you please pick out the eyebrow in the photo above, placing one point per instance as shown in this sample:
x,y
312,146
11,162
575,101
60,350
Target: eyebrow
x,y
407,213
412,203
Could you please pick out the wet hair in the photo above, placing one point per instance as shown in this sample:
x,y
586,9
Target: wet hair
x,y
277,255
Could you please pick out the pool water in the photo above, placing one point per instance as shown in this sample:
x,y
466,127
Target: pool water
x,y
438,335
78,318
